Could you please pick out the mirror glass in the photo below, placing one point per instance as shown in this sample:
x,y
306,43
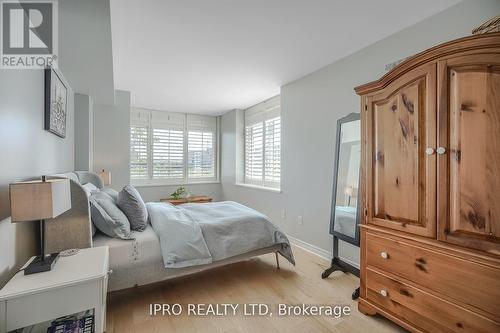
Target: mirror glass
x,y
346,196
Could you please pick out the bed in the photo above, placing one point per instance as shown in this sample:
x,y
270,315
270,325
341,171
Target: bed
x,y
345,220
141,261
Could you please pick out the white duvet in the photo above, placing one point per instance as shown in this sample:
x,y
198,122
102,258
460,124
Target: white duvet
x,y
198,234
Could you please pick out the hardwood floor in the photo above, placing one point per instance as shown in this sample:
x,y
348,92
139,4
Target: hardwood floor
x,y
253,281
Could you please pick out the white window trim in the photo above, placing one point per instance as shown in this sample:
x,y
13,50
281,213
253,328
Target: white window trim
x,y
158,182
260,188
186,180
260,108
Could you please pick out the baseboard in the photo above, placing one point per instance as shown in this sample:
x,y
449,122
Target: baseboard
x,y
327,255
350,262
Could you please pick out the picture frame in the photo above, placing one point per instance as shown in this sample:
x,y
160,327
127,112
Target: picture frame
x,y
56,102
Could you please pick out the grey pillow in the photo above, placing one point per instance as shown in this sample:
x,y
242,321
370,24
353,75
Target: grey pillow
x,y
131,203
108,218
112,193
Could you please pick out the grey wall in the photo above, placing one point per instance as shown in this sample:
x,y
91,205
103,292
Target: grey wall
x,y
86,53
26,151
84,132
112,139
310,109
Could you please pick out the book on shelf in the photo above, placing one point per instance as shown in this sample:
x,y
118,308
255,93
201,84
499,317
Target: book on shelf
x,y
82,322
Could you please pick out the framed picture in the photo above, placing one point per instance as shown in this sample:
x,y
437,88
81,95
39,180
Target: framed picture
x,y
56,93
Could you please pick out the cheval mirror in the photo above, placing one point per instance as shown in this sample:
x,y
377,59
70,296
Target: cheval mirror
x,y
345,204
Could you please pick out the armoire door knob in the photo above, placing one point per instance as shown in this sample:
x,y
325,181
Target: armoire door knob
x,y
384,255
429,151
383,292
441,150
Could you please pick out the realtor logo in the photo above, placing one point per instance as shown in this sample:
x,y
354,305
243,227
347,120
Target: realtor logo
x,y
28,34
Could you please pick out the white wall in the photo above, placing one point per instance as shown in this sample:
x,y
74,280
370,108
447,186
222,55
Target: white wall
x,y
26,151
112,139
310,109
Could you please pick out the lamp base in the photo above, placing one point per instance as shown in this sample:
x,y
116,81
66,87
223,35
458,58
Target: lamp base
x,y
38,265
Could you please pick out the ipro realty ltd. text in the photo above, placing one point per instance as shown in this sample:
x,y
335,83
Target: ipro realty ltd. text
x,y
248,309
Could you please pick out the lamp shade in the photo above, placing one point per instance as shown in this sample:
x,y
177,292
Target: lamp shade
x,y
348,190
39,200
105,176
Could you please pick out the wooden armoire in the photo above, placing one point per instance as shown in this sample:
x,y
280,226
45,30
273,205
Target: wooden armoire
x,y
430,188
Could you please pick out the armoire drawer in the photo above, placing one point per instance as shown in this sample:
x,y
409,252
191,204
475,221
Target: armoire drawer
x,y
424,310
469,282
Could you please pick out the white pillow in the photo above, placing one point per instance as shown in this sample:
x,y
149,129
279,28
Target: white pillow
x,y
89,188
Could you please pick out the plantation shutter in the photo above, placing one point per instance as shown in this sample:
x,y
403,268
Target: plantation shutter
x,y
167,145
254,153
263,144
168,148
272,152
139,133
202,141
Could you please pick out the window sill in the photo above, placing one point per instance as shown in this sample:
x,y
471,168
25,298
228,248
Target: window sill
x,y
257,187
173,184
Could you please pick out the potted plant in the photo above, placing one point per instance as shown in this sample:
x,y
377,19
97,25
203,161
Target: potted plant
x,y
179,193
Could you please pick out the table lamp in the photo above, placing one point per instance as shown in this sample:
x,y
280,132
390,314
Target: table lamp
x,y
39,200
105,176
348,191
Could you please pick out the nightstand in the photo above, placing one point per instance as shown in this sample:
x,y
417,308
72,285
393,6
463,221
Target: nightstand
x,y
195,199
76,283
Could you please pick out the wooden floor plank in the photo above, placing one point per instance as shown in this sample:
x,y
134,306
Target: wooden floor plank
x,y
253,281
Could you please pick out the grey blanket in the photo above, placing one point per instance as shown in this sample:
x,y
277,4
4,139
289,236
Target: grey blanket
x,y
198,234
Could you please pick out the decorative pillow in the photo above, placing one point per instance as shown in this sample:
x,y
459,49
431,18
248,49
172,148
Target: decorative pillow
x,y
108,218
112,193
89,188
131,203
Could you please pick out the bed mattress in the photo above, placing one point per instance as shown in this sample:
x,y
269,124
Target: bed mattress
x,y
145,248
139,261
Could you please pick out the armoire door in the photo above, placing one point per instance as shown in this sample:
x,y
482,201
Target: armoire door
x,y
401,173
469,164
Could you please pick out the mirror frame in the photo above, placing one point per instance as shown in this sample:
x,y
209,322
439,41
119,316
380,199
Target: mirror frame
x,y
352,240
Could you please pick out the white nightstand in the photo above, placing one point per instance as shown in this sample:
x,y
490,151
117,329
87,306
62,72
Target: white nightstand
x,y
75,284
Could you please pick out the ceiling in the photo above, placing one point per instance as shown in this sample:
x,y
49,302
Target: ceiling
x,y
210,56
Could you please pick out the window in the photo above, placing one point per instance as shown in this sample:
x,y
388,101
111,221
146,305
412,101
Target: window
x,y
172,148
263,144
168,154
139,152
201,147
